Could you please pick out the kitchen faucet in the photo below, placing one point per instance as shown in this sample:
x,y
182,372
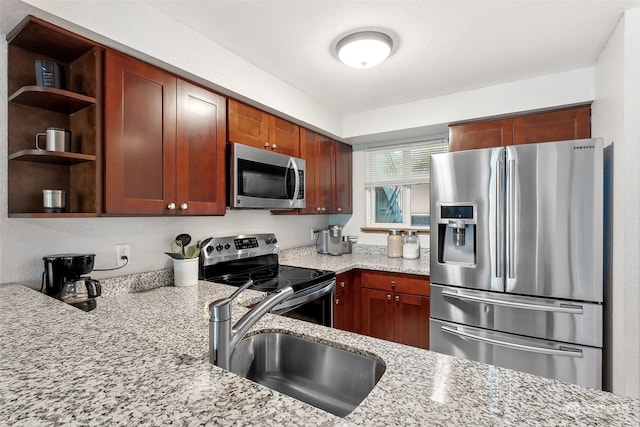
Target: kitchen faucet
x,y
223,337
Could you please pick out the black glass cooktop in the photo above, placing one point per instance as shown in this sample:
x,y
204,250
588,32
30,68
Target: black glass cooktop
x,y
268,278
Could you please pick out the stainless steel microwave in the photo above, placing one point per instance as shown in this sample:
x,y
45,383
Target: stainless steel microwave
x,y
261,179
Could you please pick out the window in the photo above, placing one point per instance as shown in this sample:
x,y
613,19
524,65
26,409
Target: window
x,y
397,184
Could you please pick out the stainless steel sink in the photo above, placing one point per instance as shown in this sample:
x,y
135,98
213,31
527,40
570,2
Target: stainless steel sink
x,y
326,377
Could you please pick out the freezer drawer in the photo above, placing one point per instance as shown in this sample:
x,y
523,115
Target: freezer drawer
x,y
558,320
570,363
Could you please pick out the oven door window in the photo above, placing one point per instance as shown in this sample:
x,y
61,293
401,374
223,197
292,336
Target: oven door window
x,y
266,181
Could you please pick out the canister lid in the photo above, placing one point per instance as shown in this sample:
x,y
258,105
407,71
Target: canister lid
x,y
394,232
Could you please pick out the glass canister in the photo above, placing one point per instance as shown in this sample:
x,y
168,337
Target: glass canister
x,y
394,244
411,245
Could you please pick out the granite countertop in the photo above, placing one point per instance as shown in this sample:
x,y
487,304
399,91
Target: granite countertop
x,y
141,359
367,257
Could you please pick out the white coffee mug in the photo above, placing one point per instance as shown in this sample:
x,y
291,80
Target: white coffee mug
x,y
57,139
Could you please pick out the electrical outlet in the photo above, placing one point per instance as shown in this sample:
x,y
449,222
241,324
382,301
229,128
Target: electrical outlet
x,y
313,234
122,251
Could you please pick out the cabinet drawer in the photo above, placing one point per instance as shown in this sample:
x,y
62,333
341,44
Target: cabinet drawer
x,y
407,283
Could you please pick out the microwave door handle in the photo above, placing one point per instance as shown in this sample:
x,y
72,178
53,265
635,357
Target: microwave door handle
x,y
292,163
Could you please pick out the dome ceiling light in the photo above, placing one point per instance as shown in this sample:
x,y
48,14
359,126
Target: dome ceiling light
x,y
364,49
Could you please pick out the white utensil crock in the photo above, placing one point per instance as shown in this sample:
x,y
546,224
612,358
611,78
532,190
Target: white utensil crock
x,y
185,272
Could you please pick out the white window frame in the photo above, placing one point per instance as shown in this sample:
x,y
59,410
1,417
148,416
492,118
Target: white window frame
x,y
375,177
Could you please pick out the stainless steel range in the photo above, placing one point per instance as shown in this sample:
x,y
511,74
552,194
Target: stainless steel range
x,y
234,260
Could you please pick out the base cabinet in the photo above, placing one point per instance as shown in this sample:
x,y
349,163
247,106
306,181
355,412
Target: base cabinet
x,y
343,310
395,307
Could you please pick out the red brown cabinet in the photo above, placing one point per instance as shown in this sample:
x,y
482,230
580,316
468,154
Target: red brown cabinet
x,y
166,142
250,126
557,125
395,307
343,310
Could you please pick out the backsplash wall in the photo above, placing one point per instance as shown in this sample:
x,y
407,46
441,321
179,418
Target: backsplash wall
x,y
25,241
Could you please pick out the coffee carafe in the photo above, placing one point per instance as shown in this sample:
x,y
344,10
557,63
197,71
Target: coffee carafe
x,y
64,280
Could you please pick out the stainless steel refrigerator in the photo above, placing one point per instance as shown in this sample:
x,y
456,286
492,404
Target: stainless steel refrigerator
x,y
517,258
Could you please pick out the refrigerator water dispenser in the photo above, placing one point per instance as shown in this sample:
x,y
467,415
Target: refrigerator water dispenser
x,y
456,232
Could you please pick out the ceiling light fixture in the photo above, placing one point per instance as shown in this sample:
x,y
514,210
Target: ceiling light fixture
x,y
364,49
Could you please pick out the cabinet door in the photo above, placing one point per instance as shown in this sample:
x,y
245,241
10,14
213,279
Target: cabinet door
x,y
561,125
485,134
344,302
201,130
140,137
344,191
411,320
316,150
377,314
284,136
248,125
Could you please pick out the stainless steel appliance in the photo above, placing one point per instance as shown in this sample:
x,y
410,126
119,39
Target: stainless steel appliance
x,y
262,179
517,258
64,279
334,246
234,260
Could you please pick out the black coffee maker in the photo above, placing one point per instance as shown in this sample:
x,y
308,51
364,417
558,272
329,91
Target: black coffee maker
x,y
63,279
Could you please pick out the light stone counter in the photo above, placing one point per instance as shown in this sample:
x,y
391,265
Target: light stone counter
x,y
367,257
141,359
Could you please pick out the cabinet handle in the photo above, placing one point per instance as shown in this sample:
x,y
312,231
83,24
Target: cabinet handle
x,y
342,284
323,209
397,298
266,145
389,297
274,146
337,301
171,206
393,283
319,209
183,206
339,209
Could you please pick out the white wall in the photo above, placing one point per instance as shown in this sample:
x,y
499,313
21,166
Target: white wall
x,y
23,242
615,117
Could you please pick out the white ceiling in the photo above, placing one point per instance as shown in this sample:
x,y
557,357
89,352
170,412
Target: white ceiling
x,y
440,46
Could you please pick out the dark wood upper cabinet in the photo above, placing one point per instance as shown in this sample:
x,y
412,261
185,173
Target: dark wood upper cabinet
x,y
250,126
201,139
165,150
344,178
318,153
140,130
77,106
561,125
557,125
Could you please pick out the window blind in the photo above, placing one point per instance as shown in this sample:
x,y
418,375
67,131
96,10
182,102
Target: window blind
x,y
401,164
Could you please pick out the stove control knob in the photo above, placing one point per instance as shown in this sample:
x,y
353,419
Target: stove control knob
x,y
271,241
227,246
218,247
209,249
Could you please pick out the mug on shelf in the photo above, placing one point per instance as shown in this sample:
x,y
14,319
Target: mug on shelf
x,y
57,139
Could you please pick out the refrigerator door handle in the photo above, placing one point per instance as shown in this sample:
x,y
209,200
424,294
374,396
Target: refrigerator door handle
x,y
499,235
511,212
569,352
562,308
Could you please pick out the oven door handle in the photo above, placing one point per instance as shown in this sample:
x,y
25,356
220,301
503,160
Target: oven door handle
x,y
298,300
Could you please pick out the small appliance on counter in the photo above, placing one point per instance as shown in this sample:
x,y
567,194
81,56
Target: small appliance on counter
x,y
63,279
329,241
